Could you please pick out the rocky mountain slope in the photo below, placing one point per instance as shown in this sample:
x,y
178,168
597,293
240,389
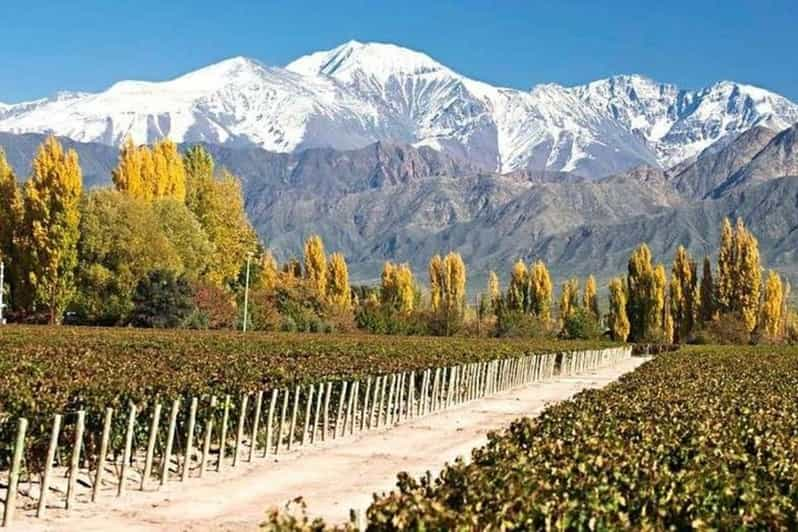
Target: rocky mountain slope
x,y
358,94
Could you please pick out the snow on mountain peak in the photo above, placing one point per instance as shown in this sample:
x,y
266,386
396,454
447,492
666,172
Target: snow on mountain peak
x,y
359,93
380,60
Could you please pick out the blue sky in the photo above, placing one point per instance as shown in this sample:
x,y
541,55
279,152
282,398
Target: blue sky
x,y
46,46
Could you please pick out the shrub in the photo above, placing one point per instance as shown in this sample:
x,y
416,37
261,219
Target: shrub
x,y
728,329
581,324
162,300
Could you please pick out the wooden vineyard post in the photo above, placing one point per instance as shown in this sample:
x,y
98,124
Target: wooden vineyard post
x,y
450,391
364,412
206,440
339,417
131,425
400,387
74,463
292,429
283,415
354,408
308,412
242,417
223,434
411,395
192,421
374,402
314,434
253,441
170,441
349,408
13,475
48,465
156,417
270,422
422,403
389,409
381,404
326,426
102,457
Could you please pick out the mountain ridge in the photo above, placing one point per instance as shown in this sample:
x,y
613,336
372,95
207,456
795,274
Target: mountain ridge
x,y
360,93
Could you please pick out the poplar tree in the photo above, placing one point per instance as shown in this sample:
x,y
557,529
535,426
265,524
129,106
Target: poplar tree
x,y
339,293
540,291
316,265
646,295
151,173
772,305
494,289
269,276
517,290
448,275
748,283
667,324
436,273
683,295
785,311
199,168
398,287
10,219
50,226
590,298
726,268
569,299
707,303
617,320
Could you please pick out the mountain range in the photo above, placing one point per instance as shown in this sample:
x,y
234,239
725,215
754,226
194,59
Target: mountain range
x,y
361,93
390,155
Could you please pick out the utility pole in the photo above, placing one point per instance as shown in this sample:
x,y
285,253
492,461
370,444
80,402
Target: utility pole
x,y
2,290
246,293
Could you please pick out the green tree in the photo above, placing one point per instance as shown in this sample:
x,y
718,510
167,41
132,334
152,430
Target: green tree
x,y
187,238
121,241
50,227
708,308
646,295
162,300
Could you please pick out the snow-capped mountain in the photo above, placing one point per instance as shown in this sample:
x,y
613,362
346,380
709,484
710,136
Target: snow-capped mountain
x,y
357,94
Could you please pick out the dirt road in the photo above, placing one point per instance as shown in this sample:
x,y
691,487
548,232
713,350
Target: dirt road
x,y
332,479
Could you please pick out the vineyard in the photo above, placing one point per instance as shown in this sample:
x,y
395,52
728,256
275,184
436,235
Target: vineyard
x,y
706,438
119,409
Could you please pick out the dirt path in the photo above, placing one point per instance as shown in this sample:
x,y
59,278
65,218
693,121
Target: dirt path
x,y
332,479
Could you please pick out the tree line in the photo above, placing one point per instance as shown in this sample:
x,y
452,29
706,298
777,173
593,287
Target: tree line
x,y
167,245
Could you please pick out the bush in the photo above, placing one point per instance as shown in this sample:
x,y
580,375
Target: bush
x,y
517,324
581,325
728,329
162,300
215,308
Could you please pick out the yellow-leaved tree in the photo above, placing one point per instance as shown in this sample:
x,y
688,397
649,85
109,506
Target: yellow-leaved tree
x,y
540,291
617,320
517,290
339,294
494,290
590,298
50,227
646,295
448,276
684,295
569,299
772,306
150,173
10,219
398,286
316,265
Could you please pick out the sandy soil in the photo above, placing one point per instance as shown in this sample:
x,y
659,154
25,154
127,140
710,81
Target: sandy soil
x,y
332,479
